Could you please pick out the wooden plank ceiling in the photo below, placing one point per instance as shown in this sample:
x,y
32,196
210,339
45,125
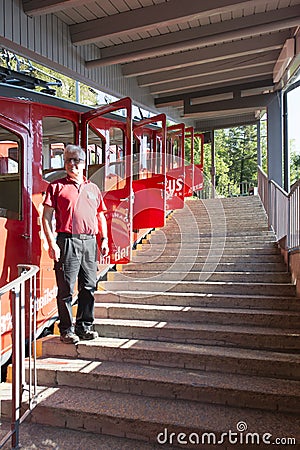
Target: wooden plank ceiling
x,y
213,60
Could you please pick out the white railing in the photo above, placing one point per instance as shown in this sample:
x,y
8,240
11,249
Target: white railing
x,y
283,209
18,289
294,217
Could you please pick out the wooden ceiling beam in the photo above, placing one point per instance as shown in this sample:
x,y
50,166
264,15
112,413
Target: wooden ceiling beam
x,y
236,103
217,33
192,58
265,70
243,118
40,7
150,17
210,68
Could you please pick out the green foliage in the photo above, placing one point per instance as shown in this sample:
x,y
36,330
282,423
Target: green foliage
x,y
85,94
63,86
263,142
294,166
235,158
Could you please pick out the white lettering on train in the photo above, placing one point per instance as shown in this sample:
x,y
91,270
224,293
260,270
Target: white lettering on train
x,y
121,253
174,187
49,295
6,323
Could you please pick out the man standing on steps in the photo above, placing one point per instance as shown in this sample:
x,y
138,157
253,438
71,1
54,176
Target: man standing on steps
x,y
79,214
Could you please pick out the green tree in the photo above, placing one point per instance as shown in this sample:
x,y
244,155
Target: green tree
x,y
236,158
294,162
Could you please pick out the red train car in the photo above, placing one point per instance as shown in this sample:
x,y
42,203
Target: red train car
x,y
34,128
136,180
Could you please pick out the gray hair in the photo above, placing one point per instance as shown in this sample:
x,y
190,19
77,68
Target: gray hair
x,y
74,149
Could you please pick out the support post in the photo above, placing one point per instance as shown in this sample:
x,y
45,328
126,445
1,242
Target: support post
x,y
213,169
274,126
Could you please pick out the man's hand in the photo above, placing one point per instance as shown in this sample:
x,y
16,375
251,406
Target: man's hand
x,y
104,249
54,251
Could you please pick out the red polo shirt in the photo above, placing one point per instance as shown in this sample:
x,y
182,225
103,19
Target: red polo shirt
x,y
76,206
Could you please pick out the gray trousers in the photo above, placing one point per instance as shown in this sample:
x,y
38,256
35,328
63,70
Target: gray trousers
x,y
77,263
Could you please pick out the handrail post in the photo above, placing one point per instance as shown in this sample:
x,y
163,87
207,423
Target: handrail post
x,y
16,373
269,204
289,222
18,290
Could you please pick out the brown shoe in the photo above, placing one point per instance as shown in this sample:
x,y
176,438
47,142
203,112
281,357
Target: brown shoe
x,y
69,338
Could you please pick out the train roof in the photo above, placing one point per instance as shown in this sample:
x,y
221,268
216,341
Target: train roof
x,y
21,93
24,94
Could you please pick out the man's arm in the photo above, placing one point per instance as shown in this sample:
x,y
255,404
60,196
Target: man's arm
x,y
54,250
102,224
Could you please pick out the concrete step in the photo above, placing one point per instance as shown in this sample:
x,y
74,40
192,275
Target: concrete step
x,y
213,225
34,436
252,219
232,360
200,228
203,250
229,213
211,244
271,289
276,339
216,239
261,267
172,383
242,227
193,257
225,316
226,203
183,299
149,419
174,273
208,209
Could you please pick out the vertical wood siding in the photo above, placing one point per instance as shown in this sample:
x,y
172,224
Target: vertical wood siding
x,y
46,40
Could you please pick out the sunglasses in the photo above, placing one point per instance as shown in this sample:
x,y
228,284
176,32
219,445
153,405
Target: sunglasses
x,y
74,161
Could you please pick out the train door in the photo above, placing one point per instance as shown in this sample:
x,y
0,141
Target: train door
x,y
189,162
198,168
175,171
109,145
149,174
15,204
55,128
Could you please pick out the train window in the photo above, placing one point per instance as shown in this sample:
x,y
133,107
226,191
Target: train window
x,y
173,152
143,157
10,174
115,175
96,158
57,133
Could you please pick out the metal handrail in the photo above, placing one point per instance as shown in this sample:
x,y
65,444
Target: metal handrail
x,y
24,285
282,208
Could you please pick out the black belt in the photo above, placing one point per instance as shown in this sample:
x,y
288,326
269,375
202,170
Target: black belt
x,y
81,236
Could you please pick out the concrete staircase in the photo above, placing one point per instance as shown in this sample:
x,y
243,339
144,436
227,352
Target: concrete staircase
x,y
199,334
